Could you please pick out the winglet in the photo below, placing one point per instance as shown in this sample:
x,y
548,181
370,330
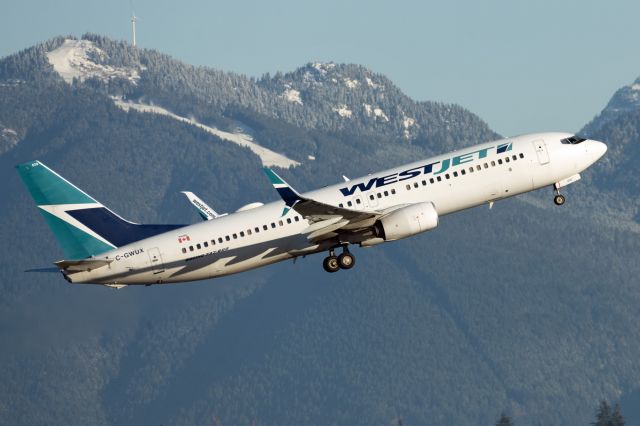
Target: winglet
x,y
205,212
287,193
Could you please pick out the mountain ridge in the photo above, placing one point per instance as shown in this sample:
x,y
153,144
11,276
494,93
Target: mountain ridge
x,y
523,308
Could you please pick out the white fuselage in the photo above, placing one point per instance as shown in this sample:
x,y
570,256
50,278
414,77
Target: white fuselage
x,y
261,236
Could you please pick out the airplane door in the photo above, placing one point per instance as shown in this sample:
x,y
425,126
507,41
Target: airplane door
x,y
155,258
541,151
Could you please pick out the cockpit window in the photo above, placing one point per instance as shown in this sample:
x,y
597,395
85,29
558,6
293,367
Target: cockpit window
x,y
573,140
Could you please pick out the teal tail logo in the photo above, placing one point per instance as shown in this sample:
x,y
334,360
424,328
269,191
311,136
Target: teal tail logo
x,y
56,199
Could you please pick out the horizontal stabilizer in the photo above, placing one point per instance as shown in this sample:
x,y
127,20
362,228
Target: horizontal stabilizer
x,y
82,264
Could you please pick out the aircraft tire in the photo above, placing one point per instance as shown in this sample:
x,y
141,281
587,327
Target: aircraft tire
x,y
559,199
330,264
346,260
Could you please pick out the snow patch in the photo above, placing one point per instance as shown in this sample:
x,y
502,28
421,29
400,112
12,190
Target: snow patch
x,y
379,113
81,59
635,87
323,68
268,157
8,139
292,95
407,123
343,111
372,84
351,84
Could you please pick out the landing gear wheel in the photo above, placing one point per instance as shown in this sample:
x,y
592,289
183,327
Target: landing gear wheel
x,y
559,199
346,260
330,264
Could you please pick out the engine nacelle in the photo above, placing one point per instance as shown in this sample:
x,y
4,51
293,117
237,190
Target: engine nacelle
x,y
407,221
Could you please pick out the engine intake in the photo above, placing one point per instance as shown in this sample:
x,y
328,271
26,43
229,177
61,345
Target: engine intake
x,y
407,221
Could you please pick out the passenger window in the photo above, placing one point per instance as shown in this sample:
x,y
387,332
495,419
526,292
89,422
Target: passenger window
x,y
341,205
256,229
486,166
288,220
242,233
265,227
431,180
349,203
514,157
379,195
220,240
446,175
506,159
424,183
499,160
463,171
297,218
358,201
408,187
478,167
470,169
198,246
393,190
455,174
190,248
273,224
248,231
386,193
206,244
213,242
439,178
281,223
235,236
226,237
521,155
371,197
415,184
493,163
184,250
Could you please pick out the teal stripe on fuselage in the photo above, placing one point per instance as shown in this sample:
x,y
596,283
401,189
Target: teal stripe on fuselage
x,y
47,187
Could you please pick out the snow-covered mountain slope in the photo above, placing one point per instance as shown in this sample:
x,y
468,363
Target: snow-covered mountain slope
x,y
268,157
625,100
82,60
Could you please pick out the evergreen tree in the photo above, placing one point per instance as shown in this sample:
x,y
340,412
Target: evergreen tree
x,y
504,420
603,415
616,417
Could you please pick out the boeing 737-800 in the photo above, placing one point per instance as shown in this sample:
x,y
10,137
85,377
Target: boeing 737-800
x,y
102,248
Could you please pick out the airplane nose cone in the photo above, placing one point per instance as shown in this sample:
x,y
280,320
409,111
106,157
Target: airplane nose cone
x,y
599,148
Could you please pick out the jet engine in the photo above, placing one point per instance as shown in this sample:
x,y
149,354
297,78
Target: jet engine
x,y
407,221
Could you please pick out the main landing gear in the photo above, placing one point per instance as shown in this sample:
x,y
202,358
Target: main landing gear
x,y
333,263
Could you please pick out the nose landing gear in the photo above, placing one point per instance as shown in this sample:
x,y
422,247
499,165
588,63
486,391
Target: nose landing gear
x,y
558,199
333,263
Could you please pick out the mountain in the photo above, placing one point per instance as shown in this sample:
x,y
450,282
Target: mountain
x,y
619,124
525,308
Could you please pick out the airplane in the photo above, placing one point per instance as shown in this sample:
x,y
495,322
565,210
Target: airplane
x,y
205,212
102,248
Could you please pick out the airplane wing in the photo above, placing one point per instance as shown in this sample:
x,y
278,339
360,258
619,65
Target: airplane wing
x,y
205,212
326,218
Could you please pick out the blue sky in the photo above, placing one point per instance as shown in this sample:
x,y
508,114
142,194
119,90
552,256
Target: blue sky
x,y
521,66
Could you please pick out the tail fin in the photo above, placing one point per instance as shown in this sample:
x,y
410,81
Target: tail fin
x,y
82,226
